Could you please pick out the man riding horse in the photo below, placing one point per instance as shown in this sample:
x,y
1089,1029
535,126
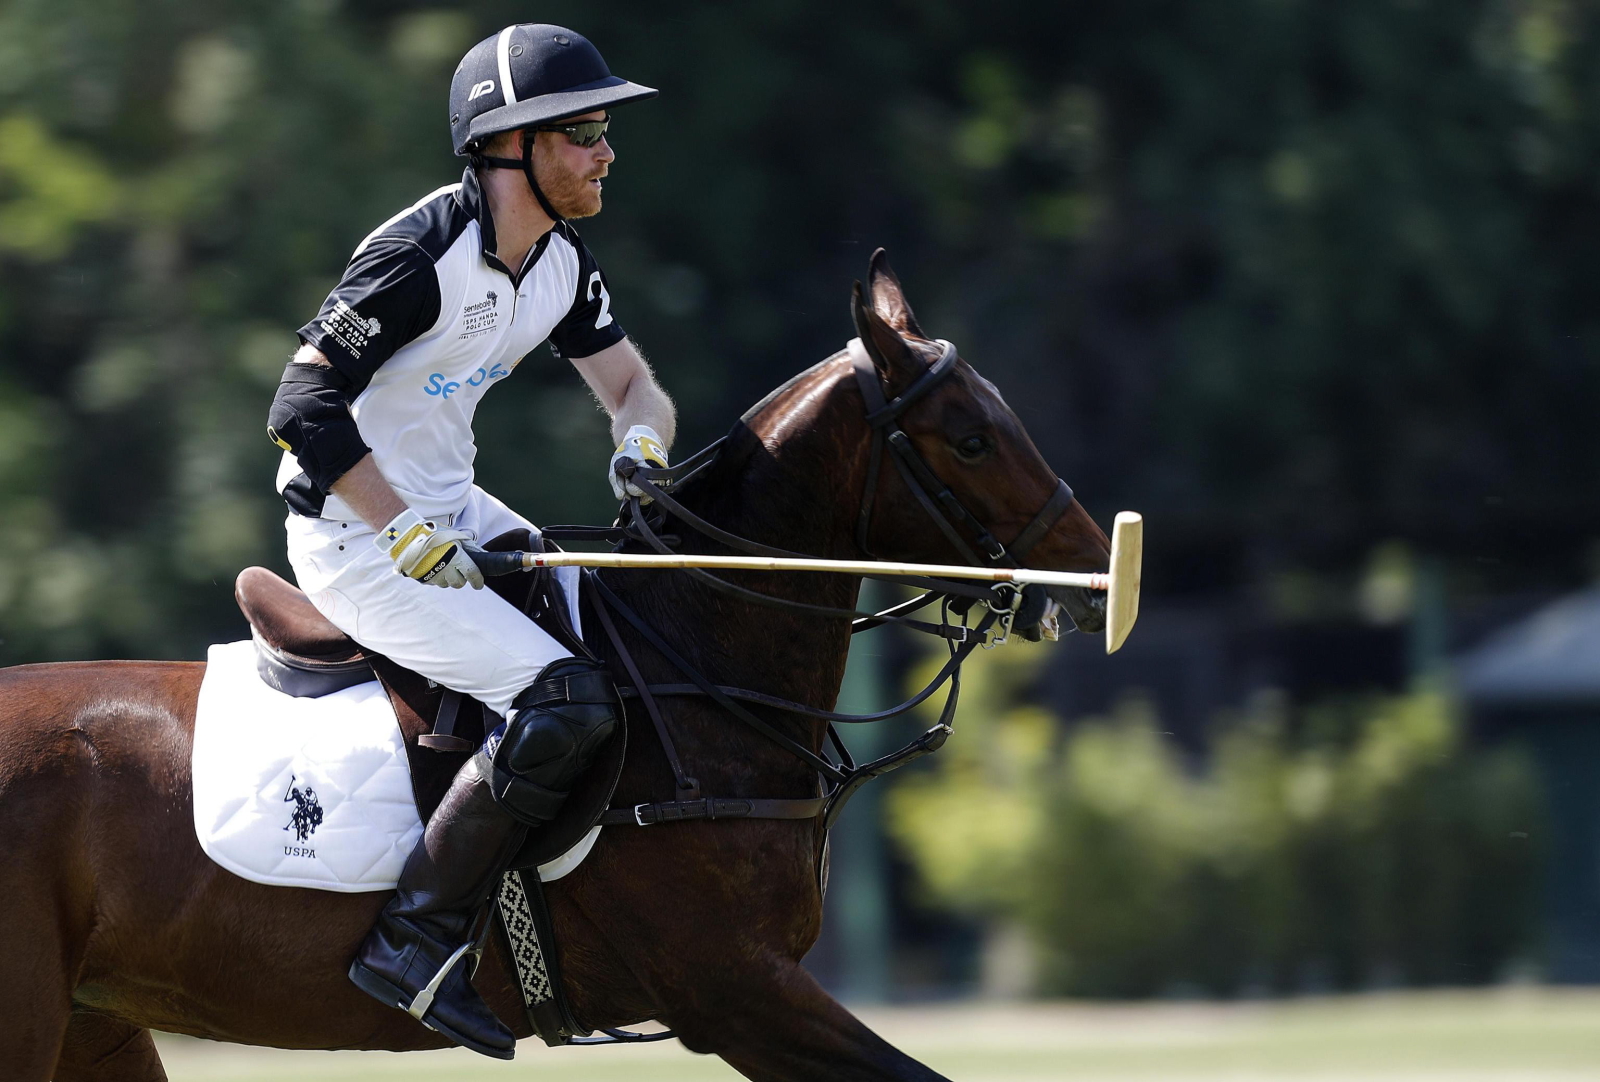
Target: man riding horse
x,y
375,412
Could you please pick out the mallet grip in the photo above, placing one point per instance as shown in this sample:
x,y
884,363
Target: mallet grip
x,y
495,564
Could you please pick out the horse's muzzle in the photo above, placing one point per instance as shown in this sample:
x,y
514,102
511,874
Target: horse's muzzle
x,y
1087,608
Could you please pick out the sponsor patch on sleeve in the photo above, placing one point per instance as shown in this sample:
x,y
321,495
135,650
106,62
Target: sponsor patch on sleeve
x,y
350,328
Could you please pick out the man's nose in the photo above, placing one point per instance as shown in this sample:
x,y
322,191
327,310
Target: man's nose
x,y
603,151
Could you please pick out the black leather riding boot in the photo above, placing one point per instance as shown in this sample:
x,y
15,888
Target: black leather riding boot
x,y
415,957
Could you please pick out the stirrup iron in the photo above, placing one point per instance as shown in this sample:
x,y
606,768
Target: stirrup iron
x,y
424,1000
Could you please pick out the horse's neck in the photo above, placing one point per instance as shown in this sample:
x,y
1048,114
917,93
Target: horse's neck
x,y
791,485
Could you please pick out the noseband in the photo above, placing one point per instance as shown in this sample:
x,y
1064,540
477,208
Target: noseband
x,y
942,505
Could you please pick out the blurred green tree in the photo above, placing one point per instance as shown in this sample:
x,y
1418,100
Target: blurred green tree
x,y
1382,851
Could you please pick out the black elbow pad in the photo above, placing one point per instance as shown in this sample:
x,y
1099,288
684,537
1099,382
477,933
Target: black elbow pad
x,y
310,418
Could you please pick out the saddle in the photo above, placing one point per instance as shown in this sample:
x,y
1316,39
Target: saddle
x,y
297,650
300,653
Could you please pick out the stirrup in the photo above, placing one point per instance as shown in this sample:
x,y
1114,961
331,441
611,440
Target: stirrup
x,y
424,1000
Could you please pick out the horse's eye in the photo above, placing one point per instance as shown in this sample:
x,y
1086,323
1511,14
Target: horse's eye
x,y
972,448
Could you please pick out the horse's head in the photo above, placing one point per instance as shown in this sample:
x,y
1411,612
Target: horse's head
x,y
973,444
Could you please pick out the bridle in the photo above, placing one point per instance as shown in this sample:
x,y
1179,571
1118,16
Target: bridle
x,y
1004,606
935,497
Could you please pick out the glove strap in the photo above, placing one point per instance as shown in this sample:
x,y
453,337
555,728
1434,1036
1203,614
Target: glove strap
x,y
401,531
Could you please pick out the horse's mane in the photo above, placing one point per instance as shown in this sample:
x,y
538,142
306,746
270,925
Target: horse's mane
x,y
740,432
915,340
766,400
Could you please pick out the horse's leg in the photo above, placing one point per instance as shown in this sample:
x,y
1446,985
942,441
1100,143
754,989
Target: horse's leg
x,y
782,1027
99,1048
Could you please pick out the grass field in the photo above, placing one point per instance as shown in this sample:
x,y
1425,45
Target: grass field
x,y
1505,1035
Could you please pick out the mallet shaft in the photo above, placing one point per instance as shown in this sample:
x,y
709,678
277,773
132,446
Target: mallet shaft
x,y
1121,582
1024,576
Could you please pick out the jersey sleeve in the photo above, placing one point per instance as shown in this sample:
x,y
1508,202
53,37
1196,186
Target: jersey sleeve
x,y
588,327
389,296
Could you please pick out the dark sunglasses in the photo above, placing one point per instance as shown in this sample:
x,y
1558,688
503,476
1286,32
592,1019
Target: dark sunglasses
x,y
583,133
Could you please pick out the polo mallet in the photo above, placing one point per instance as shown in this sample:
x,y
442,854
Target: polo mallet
x,y
1121,582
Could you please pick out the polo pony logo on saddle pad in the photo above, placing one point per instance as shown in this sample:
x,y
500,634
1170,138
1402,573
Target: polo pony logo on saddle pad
x,y
307,814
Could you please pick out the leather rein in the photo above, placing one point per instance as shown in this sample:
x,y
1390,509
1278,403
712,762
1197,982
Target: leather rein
x,y
1005,607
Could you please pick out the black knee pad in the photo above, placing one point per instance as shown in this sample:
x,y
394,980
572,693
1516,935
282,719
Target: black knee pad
x,y
555,729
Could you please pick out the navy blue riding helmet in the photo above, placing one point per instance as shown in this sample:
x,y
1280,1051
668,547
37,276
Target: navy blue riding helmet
x,y
529,74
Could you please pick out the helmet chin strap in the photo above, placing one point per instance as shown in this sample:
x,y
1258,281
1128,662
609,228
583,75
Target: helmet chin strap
x,y
525,163
528,139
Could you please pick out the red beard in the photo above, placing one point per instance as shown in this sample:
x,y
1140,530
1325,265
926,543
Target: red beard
x,y
570,194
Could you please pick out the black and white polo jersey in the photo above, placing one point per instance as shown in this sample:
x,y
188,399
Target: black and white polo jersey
x,y
425,321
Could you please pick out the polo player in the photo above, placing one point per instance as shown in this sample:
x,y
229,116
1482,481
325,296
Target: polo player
x,y
437,305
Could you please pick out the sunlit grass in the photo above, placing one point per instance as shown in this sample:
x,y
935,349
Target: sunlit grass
x,y
1520,1034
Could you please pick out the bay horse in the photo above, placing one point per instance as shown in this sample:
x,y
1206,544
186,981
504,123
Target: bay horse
x,y
117,923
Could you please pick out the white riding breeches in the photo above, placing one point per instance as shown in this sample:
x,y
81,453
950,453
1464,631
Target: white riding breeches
x,y
466,639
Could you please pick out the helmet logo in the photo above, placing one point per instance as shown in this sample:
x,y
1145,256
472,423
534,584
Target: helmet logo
x,y
480,89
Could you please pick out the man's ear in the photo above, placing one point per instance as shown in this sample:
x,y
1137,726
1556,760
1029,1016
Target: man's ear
x,y
892,355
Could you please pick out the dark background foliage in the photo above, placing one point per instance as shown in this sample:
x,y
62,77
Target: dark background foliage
x,y
1294,277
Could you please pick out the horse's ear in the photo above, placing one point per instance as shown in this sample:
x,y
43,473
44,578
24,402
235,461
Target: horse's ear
x,y
888,297
891,353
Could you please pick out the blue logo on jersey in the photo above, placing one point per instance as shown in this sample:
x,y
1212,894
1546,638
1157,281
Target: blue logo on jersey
x,y
440,387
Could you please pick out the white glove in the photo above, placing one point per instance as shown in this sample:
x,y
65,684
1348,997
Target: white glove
x,y
643,446
422,551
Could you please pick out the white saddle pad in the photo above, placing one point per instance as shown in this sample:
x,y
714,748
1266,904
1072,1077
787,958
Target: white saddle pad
x,y
306,792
